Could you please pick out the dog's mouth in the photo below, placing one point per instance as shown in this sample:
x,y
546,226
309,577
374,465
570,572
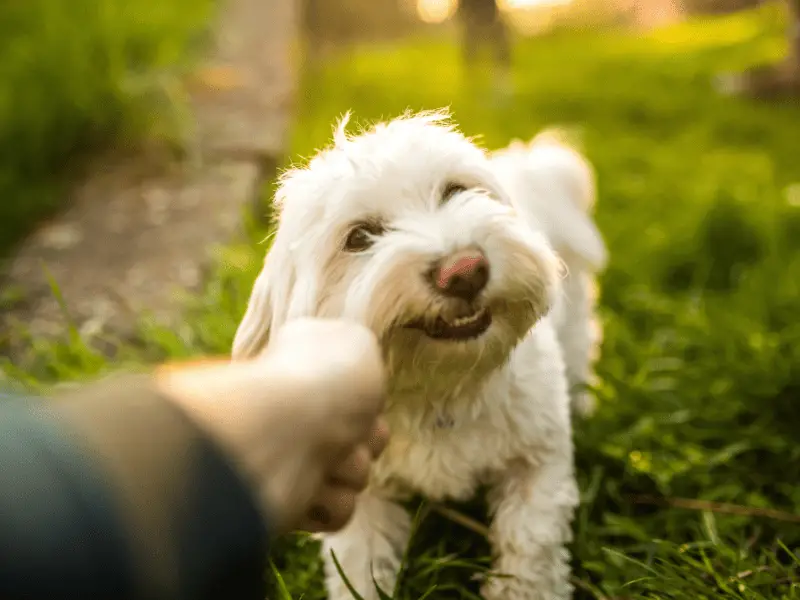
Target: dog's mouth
x,y
457,328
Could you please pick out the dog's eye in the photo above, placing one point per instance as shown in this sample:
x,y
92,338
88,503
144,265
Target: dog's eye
x,y
362,237
451,189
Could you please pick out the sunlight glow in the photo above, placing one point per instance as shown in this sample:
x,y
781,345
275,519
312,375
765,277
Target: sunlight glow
x,y
511,5
436,11
439,11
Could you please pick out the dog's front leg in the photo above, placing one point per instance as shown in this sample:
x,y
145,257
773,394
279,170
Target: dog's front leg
x,y
532,509
371,545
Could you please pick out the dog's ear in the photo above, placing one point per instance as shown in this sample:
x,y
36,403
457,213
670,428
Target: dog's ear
x,y
266,305
253,331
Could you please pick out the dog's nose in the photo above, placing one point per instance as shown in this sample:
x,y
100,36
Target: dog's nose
x,y
461,275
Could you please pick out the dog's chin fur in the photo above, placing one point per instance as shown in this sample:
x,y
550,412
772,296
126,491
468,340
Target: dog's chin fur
x,y
493,409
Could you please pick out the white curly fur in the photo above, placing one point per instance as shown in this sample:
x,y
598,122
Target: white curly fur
x,y
555,188
493,410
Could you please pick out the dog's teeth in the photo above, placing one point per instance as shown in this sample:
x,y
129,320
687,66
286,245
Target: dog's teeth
x,y
462,321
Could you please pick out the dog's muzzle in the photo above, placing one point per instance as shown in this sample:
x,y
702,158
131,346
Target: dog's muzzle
x,y
459,278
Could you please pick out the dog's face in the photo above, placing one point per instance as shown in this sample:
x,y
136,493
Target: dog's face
x,y
405,229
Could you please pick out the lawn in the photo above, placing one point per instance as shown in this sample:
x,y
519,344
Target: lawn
x,y
700,373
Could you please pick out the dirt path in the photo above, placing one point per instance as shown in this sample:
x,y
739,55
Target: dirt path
x,y
141,227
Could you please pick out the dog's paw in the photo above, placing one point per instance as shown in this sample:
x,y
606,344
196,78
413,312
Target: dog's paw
x,y
339,591
382,573
512,588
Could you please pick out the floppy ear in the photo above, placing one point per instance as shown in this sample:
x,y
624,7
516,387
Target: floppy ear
x,y
266,305
253,331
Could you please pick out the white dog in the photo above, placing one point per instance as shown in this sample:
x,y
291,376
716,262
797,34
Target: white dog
x,y
407,229
555,187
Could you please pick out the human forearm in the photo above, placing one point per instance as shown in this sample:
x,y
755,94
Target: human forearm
x,y
111,491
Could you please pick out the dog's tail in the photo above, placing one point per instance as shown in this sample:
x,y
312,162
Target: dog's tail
x,y
557,151
555,185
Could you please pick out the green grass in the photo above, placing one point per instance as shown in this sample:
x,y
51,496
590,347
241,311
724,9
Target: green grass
x,y
76,76
701,361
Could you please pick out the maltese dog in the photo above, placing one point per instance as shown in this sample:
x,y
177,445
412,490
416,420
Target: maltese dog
x,y
555,188
414,231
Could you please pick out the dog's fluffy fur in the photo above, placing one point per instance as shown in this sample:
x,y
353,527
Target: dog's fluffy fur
x,y
555,188
491,410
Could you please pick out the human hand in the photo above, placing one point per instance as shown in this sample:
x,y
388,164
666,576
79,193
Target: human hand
x,y
302,420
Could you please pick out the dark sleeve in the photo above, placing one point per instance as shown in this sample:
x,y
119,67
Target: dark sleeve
x,y
113,493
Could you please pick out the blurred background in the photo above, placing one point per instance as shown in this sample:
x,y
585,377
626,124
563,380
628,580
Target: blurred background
x,y
688,108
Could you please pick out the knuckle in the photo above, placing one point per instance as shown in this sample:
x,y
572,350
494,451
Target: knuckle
x,y
362,459
342,509
354,472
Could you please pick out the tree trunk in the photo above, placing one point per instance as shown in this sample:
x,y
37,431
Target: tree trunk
x,y
794,37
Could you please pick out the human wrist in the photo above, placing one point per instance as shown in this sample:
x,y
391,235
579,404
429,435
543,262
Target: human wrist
x,y
237,405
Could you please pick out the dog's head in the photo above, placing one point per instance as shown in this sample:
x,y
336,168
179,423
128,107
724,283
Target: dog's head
x,y
404,228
